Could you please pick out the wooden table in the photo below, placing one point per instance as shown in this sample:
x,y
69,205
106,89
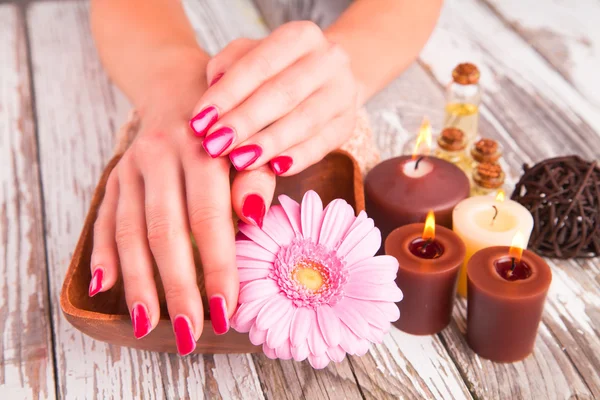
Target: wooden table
x,y
58,114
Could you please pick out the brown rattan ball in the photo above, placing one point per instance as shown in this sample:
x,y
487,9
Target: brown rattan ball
x,y
563,195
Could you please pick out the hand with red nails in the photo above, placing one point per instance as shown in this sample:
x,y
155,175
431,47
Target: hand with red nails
x,y
286,100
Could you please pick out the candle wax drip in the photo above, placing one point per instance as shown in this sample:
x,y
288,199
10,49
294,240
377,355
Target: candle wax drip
x,y
511,269
426,248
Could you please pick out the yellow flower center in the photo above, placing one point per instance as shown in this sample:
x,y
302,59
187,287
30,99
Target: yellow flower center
x,y
309,274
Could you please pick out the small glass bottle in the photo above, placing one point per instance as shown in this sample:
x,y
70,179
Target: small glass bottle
x,y
485,150
451,147
463,96
487,178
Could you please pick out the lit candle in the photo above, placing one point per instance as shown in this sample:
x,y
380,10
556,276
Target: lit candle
x,y
401,190
507,288
429,257
483,221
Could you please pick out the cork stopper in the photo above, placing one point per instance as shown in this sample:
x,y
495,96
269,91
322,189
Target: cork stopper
x,y
452,139
465,74
489,175
486,150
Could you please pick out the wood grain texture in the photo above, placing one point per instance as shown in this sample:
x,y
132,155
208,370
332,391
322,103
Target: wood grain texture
x,y
566,34
26,366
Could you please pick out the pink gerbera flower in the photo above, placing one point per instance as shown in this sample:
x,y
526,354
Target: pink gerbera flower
x,y
310,284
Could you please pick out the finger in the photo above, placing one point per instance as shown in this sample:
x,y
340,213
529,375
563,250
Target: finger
x,y
221,62
305,154
136,260
280,49
209,213
276,98
105,260
169,240
296,127
251,194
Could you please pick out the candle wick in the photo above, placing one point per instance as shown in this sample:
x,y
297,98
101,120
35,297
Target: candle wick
x,y
513,266
426,244
417,162
495,215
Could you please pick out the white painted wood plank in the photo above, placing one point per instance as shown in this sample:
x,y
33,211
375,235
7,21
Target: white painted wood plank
x,y
566,33
26,366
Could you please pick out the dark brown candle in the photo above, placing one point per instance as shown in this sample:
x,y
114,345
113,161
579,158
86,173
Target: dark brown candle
x,y
427,276
505,302
399,191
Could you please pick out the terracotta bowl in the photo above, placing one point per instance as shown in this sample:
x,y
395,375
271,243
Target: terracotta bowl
x,y
105,317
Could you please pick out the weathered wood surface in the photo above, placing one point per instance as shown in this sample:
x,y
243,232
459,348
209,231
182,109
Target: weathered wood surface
x,y
26,369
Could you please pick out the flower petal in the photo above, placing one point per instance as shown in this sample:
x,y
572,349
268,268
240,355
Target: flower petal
x,y
252,264
349,341
273,311
336,354
257,337
292,211
284,351
279,332
351,318
354,237
277,225
366,248
253,251
299,353
329,324
258,289
269,352
259,237
380,264
316,342
338,216
363,347
375,334
304,318
247,274
311,215
368,291
245,315
318,362
368,311
368,275
390,310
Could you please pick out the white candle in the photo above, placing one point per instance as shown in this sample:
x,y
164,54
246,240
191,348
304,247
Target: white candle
x,y
414,170
483,221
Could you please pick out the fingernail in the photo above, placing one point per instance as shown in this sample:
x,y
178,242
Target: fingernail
x,y
280,165
216,79
218,141
218,314
244,156
202,122
96,282
184,337
254,209
140,321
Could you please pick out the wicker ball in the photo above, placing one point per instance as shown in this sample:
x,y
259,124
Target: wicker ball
x,y
563,194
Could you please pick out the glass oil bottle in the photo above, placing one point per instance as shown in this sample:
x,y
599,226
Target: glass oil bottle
x,y
487,178
463,96
451,146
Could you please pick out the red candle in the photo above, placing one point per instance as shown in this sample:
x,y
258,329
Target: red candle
x,y
429,258
505,294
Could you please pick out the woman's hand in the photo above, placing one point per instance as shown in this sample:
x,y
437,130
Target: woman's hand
x,y
287,100
164,187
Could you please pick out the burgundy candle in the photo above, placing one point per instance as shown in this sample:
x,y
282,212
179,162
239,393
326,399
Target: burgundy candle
x,y
401,191
506,294
429,260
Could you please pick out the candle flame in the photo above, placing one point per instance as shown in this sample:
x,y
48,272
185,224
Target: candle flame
x,y
500,196
429,230
517,246
424,139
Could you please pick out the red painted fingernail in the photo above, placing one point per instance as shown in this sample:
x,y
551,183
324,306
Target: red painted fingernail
x,y
216,79
280,165
218,141
184,337
244,156
140,321
96,282
202,122
254,209
218,314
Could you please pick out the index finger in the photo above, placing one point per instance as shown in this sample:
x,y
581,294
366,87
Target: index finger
x,y
210,216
